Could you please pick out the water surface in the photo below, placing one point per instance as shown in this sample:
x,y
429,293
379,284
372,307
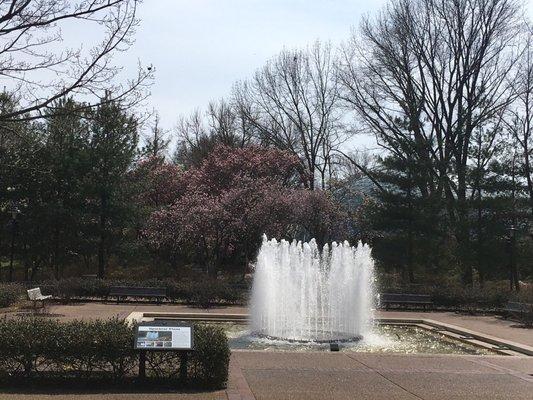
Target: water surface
x,y
401,339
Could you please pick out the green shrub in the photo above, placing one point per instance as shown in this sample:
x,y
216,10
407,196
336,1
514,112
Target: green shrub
x,y
35,346
98,346
67,289
10,294
211,356
102,350
525,295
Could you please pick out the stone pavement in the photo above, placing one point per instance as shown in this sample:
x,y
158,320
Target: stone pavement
x,y
309,376
89,310
220,395
284,375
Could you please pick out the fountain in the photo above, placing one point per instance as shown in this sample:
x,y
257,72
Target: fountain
x,y
304,299
303,294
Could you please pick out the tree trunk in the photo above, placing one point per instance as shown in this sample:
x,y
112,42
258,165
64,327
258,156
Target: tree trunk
x,y
463,247
245,269
102,259
512,258
26,262
462,233
212,269
55,256
1,237
410,242
514,283
12,249
480,266
34,269
527,172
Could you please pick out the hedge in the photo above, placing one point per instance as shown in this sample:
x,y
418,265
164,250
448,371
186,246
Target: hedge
x,y
211,292
203,293
39,350
458,297
10,293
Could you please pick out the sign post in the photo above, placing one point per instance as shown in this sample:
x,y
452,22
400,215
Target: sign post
x,y
183,366
142,365
164,335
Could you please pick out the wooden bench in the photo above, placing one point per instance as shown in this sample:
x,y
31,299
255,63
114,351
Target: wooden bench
x,y
123,292
35,295
386,299
524,311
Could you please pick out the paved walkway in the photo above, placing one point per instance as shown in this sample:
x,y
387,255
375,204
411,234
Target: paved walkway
x,y
91,310
382,376
283,375
220,395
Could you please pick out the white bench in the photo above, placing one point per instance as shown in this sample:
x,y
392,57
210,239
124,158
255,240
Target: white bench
x,y
35,295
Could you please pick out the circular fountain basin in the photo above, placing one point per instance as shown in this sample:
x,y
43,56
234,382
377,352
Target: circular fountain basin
x,y
383,338
318,337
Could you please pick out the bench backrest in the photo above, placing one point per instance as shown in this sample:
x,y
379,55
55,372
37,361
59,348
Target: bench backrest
x,y
34,294
401,297
137,291
521,307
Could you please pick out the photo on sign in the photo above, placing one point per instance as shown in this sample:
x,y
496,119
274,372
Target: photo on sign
x,y
154,339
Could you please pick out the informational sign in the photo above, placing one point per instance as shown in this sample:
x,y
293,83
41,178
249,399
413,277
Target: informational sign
x,y
164,335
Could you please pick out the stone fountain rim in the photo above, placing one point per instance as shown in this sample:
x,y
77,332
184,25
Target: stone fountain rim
x,y
426,323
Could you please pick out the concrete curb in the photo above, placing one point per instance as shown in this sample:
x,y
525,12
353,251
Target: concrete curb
x,y
457,332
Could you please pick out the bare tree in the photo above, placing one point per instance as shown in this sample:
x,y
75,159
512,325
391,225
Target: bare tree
x,y
192,138
424,76
293,104
199,133
38,67
520,116
228,124
156,142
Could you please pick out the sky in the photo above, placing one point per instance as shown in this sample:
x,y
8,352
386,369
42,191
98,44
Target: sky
x,y
199,48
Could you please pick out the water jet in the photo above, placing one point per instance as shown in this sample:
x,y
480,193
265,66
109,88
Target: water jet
x,y
302,293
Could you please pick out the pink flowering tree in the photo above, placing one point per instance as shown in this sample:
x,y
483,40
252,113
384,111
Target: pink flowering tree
x,y
225,205
157,183
320,217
